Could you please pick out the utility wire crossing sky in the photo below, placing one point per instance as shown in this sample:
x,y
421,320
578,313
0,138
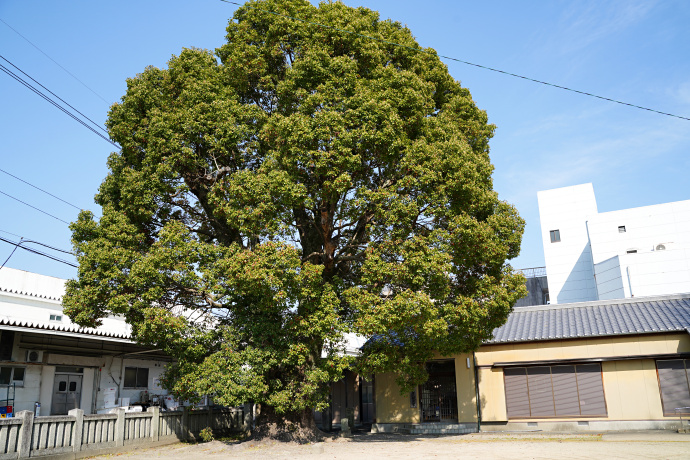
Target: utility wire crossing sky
x,y
627,50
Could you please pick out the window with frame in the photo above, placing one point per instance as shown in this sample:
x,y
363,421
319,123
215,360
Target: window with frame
x,y
554,391
136,377
12,375
555,236
673,384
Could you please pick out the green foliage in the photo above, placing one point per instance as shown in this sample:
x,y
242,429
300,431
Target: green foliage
x,y
206,434
297,185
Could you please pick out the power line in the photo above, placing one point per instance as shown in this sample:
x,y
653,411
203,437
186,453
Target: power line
x,y
50,247
34,207
420,50
48,99
54,61
36,251
51,101
38,242
38,188
61,100
10,233
11,254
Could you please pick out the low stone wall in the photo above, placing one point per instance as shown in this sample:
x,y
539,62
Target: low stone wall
x,y
77,435
583,426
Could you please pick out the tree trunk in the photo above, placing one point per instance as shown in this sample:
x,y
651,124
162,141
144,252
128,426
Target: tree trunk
x,y
295,426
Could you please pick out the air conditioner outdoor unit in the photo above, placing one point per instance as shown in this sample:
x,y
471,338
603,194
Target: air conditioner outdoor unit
x,y
34,356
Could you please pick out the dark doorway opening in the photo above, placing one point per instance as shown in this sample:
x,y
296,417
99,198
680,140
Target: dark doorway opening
x,y
438,396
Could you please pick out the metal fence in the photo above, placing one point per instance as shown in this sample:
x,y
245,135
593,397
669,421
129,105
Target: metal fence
x,y
534,272
84,435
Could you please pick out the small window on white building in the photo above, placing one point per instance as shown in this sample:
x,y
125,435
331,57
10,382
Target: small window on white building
x,y
136,377
631,251
56,317
555,236
621,229
11,375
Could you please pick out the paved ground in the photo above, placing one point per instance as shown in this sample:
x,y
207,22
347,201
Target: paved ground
x,y
534,445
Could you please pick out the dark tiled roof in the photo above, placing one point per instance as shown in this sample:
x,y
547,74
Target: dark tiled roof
x,y
72,328
596,319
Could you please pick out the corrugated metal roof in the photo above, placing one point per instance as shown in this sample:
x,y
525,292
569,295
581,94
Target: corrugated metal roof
x,y
30,294
596,319
73,328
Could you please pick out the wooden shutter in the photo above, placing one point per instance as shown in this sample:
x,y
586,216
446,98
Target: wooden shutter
x,y
565,395
517,398
673,382
540,391
590,389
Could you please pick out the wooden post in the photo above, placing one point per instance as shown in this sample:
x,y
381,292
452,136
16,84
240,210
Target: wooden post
x,y
155,422
78,429
209,418
25,433
120,428
185,423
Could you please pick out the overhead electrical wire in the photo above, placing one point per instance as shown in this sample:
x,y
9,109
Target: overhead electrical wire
x,y
10,233
36,251
57,105
23,240
421,50
54,61
34,207
49,246
38,188
11,254
61,100
38,242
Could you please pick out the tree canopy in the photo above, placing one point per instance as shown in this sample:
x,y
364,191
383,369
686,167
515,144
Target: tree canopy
x,y
298,184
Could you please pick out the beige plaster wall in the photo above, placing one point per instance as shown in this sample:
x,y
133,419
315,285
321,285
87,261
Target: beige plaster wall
x,y
391,406
631,387
581,349
467,394
492,396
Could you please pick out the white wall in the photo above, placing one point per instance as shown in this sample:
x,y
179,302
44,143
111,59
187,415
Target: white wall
x,y
46,394
111,377
33,298
27,395
649,271
609,279
645,228
657,273
592,261
569,267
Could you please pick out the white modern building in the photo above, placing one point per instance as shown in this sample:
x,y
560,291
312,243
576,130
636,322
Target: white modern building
x,y
619,254
48,360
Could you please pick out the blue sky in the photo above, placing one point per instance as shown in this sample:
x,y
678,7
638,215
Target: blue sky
x,y
633,51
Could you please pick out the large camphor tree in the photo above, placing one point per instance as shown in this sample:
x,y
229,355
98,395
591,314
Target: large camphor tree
x,y
299,184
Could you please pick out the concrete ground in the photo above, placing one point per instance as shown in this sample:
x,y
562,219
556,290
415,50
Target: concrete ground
x,y
508,445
